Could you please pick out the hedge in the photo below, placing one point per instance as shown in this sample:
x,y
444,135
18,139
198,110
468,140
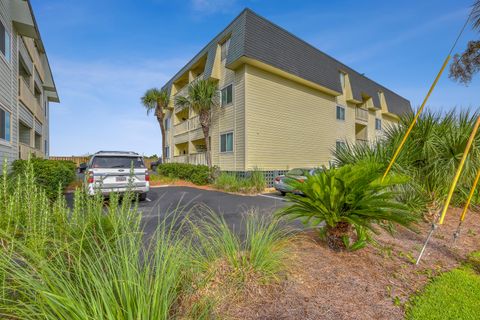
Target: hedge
x,y
50,174
198,174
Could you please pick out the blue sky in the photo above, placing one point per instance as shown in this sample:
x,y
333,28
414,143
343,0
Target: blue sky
x,y
105,53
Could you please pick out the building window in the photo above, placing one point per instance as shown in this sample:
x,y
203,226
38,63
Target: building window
x,y
224,49
340,113
226,142
342,79
167,123
340,145
167,152
5,125
227,95
46,147
5,45
378,124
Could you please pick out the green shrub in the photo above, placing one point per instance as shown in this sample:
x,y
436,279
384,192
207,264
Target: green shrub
x,y
51,175
231,182
429,157
452,295
198,174
349,200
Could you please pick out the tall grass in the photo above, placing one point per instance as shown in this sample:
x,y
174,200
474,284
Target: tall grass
x,y
254,182
93,261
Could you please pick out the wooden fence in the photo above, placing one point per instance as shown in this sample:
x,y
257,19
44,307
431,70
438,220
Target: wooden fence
x,y
79,160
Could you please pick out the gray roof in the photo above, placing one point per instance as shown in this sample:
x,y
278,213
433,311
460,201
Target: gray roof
x,y
255,37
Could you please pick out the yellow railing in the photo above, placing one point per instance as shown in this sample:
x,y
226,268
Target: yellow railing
x,y
361,114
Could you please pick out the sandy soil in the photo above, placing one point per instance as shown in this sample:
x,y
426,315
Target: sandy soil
x,y
373,283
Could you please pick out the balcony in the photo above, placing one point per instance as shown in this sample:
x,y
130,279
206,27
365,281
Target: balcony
x,y
194,158
182,127
28,99
361,114
25,151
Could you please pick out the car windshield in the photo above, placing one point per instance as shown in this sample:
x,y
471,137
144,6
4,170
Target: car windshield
x,y
297,172
117,162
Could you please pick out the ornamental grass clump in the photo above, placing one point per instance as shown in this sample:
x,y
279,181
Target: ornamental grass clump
x,y
348,204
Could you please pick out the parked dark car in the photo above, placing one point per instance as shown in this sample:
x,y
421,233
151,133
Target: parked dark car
x,y
154,165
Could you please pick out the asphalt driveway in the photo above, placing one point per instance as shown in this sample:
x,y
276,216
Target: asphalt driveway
x,y
194,202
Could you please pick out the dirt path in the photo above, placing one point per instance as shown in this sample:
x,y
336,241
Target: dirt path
x,y
373,283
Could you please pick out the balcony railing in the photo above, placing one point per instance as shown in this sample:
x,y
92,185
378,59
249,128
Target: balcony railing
x,y
25,95
194,158
181,127
361,114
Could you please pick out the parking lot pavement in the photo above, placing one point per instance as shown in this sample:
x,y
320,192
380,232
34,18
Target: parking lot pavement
x,y
165,200
185,200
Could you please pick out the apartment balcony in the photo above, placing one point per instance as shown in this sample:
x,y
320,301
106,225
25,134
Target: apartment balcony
x,y
26,96
194,158
182,127
25,151
361,114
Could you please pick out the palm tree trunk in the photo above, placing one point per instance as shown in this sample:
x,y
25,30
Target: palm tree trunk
x,y
162,130
336,234
206,134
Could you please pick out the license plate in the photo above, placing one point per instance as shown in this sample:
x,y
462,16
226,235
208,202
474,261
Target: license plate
x,y
120,179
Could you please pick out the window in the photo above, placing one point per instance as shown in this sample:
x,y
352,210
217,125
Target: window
x,y
4,41
46,147
340,113
378,124
167,124
224,49
167,152
342,79
227,95
339,145
4,125
226,142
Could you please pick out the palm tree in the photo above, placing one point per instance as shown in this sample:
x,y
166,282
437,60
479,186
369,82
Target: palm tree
x,y
347,203
157,100
202,97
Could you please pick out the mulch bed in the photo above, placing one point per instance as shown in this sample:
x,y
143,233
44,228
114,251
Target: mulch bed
x,y
373,283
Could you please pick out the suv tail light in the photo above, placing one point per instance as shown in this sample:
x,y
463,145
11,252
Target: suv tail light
x,y
277,179
90,177
147,176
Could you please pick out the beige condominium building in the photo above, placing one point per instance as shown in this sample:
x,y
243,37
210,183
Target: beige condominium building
x,y
284,103
26,84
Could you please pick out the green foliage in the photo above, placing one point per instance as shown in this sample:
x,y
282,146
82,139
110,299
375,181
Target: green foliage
x,y
452,295
93,261
350,196
198,174
262,254
51,175
231,182
430,156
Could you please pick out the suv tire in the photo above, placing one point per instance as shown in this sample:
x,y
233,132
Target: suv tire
x,y
142,196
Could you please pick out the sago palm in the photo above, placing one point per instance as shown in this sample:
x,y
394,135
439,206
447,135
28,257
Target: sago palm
x,y
202,97
157,101
349,203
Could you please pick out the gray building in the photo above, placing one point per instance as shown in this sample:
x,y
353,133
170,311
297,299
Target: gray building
x,y
26,84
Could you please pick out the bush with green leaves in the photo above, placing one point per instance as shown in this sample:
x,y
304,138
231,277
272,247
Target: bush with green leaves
x,y
198,174
52,175
348,203
254,182
430,156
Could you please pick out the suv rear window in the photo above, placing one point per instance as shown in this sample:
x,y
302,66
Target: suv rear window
x,y
117,162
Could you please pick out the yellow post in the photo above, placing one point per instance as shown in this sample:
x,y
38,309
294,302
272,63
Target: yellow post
x,y
459,170
470,196
397,152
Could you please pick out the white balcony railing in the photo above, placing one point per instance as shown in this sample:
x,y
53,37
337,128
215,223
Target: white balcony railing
x,y
194,158
194,123
181,127
361,114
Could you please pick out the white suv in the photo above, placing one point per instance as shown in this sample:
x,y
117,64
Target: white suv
x,y
111,171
